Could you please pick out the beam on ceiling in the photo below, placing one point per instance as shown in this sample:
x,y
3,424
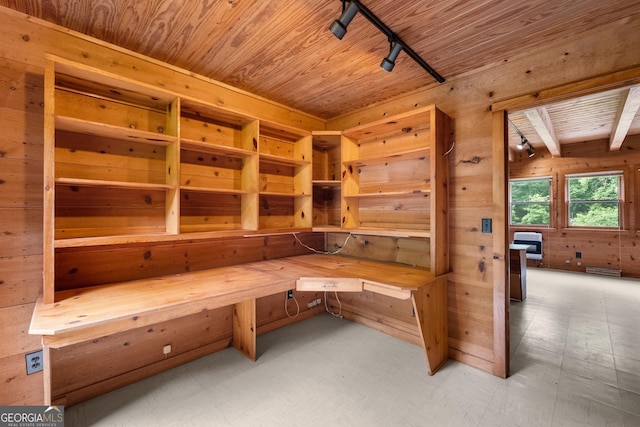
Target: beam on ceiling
x,y
541,122
629,104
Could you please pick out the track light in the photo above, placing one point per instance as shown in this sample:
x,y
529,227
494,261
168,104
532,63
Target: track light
x,y
339,26
390,61
339,29
524,142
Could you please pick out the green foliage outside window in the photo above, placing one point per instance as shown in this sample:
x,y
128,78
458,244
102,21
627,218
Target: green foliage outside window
x,y
594,201
530,201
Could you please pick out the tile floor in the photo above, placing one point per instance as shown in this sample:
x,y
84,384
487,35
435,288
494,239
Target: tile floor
x,y
575,362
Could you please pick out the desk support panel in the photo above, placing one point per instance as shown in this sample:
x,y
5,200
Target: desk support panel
x,y
430,305
244,328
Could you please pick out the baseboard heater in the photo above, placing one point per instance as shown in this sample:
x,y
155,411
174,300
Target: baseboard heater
x,y
604,271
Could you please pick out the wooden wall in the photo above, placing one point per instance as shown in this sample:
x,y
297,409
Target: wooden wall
x,y
599,248
23,42
99,366
468,99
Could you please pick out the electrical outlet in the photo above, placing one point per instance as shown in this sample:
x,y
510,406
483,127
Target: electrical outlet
x,y
35,362
290,294
578,255
486,225
166,349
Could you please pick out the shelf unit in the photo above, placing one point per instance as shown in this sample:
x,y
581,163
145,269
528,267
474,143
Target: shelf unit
x,y
327,182
395,179
128,163
218,170
284,183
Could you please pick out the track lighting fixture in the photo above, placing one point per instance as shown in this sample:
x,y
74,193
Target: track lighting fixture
x,y
339,26
390,61
524,142
339,29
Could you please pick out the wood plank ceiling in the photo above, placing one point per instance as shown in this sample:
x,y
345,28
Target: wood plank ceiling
x,y
610,115
283,50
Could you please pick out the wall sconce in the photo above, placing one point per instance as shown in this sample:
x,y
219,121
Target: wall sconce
x,y
339,29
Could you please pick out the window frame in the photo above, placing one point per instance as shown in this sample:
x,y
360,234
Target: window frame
x,y
549,203
621,174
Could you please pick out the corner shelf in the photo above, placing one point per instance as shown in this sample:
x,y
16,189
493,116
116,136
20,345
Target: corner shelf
x,y
395,179
327,184
284,185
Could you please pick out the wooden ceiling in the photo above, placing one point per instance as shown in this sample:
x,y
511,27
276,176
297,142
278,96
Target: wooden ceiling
x,y
283,50
610,115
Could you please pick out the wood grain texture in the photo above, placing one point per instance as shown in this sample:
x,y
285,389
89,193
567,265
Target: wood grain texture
x,y
252,45
599,248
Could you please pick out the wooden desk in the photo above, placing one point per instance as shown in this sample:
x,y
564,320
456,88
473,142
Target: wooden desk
x,y
81,315
518,271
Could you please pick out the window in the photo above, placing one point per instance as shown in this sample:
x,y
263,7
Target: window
x,y
530,201
594,199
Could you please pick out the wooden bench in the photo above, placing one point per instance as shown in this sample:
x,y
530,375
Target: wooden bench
x,y
85,314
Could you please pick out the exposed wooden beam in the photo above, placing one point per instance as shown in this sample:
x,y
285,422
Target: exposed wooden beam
x,y
541,122
629,104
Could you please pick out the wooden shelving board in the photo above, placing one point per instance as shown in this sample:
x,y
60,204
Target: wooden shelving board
x,y
388,194
205,147
72,124
277,160
112,184
388,232
211,190
416,154
326,183
281,194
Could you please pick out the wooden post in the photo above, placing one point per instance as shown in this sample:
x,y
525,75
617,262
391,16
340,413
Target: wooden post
x,y
500,247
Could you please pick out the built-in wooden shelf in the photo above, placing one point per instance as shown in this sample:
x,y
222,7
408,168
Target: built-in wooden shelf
x,y
283,194
326,183
282,161
75,125
206,147
416,154
389,194
211,190
389,232
79,182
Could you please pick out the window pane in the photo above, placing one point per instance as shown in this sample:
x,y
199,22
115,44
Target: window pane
x,y
530,191
593,200
530,201
530,214
594,188
594,214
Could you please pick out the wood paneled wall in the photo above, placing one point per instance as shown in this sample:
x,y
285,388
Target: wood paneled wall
x,y
93,368
616,249
23,42
468,99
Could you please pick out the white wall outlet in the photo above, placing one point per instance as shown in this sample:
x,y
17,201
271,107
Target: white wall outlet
x,y
35,362
166,349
